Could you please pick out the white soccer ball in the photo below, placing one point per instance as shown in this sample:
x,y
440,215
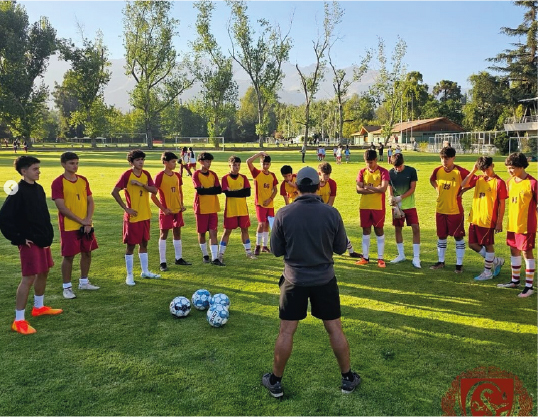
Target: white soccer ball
x,y
221,299
217,315
180,307
200,299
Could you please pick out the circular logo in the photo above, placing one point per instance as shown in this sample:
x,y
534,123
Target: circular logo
x,y
11,187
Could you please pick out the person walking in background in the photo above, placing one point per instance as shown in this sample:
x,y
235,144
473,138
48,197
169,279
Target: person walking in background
x,y
380,148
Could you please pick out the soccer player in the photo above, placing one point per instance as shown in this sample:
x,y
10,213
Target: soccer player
x,y
288,188
372,183
265,185
447,179
347,153
486,216
138,184
73,198
403,182
171,208
522,219
236,187
25,221
327,191
206,206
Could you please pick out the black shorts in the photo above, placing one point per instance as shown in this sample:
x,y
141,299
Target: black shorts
x,y
324,300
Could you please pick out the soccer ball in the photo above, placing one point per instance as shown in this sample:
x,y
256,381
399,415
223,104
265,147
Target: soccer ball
x,y
221,299
217,315
180,307
200,299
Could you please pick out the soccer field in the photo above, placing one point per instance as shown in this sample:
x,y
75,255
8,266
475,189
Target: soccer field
x,y
118,351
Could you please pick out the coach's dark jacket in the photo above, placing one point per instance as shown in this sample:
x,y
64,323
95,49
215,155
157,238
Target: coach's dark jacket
x,y
307,232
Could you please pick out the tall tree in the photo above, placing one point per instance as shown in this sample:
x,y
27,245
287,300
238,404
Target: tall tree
x,y
415,94
450,100
261,58
24,54
152,60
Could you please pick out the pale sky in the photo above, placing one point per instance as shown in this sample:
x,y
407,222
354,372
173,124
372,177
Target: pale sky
x,y
445,40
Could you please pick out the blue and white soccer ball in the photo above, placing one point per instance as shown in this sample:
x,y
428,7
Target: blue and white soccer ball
x,y
180,307
221,299
217,315
200,299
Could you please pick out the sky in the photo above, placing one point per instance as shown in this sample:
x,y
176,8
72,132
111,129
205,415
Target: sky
x,y
446,40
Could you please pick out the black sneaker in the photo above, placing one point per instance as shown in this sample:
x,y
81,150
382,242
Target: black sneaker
x,y
355,255
275,389
182,261
206,259
349,386
163,267
217,262
438,265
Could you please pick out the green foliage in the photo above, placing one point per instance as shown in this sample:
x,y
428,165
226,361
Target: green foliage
x,y
502,142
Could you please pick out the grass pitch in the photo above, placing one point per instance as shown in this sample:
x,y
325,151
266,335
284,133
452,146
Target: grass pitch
x,y
118,351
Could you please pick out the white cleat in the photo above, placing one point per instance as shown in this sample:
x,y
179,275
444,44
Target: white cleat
x,y
416,263
129,280
484,276
398,259
87,286
69,294
149,275
527,292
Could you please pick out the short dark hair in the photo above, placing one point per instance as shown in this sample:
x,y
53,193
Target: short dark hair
x,y
397,160
447,152
135,154
307,188
168,156
325,168
484,162
68,156
205,156
517,159
233,159
286,169
25,162
370,155
266,159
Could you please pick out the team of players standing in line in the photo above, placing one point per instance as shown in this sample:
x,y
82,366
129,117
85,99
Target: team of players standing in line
x,y
25,220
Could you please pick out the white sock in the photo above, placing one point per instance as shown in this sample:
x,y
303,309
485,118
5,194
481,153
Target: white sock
x,y
83,281
39,301
265,238
460,251
203,247
366,246
178,248
349,246
530,267
488,261
400,248
162,250
441,249
380,246
482,252
66,285
259,238
247,247
222,248
19,315
416,250
129,264
214,252
143,262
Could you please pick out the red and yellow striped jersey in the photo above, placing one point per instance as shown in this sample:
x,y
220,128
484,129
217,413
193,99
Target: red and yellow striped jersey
x,y
235,206
137,197
375,201
328,190
205,204
263,185
522,205
75,195
170,191
448,189
488,192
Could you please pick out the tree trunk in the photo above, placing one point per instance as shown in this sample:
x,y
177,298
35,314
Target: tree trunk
x,y
149,135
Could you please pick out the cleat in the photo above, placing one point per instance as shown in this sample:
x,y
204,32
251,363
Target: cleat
x,y
484,276
459,269
438,265
381,263
163,267
416,263
266,249
527,292
22,327
46,311
205,259
250,255
355,255
220,257
275,389
182,261
88,286
363,261
497,265
512,284
349,386
257,250
129,280
150,275
398,259
69,294
217,262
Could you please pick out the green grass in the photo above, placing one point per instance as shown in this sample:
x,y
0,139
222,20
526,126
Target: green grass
x,y
118,351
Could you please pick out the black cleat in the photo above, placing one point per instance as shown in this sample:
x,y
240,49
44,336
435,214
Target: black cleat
x,y
182,261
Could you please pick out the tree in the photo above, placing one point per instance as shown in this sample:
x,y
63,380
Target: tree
x,y
261,58
359,109
152,60
24,54
214,71
451,100
415,94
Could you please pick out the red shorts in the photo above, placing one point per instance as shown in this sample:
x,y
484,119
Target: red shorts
x,y
320,155
35,260
170,221
206,222
483,236
263,212
135,233
193,165
371,217
449,225
72,243
521,241
238,221
411,217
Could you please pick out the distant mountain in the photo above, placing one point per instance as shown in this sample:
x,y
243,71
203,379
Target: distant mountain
x,y
117,90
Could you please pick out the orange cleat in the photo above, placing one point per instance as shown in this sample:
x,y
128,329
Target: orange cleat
x,y
46,311
362,261
381,263
22,327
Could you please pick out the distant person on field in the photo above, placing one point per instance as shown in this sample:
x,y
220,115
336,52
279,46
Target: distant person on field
x,y
170,202
522,219
347,153
25,146
185,161
309,275
288,188
138,184
380,148
25,221
389,154
192,159
73,198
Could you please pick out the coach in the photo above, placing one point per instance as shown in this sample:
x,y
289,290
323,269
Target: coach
x,y
307,233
